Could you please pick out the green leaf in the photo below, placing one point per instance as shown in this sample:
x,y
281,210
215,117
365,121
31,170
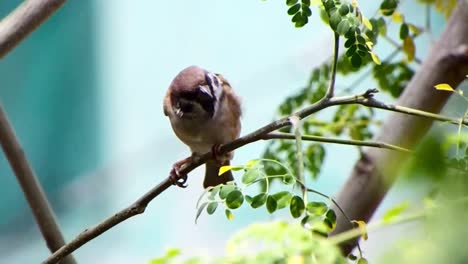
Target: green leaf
x,y
444,87
259,200
349,42
404,31
229,214
362,261
351,51
335,18
352,257
288,179
248,199
200,209
388,7
344,9
225,190
343,27
270,204
316,208
250,176
366,23
213,192
331,217
394,212
211,207
306,11
382,26
297,206
234,199
356,60
294,9
291,2
282,199
305,2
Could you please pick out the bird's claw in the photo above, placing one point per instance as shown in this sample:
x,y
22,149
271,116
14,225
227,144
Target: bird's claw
x,y
177,178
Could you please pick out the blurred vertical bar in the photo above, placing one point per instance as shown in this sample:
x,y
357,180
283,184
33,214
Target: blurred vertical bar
x,y
48,86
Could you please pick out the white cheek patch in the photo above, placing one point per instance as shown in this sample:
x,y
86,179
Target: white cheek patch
x,y
205,89
214,83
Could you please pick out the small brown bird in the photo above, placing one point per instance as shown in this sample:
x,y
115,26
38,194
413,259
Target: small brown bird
x,y
204,113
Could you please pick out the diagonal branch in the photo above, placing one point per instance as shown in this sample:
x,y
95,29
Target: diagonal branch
x,y
31,187
139,206
24,20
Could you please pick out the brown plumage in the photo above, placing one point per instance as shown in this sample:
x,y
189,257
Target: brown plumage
x,y
204,112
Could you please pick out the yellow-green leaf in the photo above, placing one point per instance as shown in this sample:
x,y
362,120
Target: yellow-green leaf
x,y
416,30
229,215
444,87
375,58
398,17
395,211
409,48
224,169
366,22
362,225
252,163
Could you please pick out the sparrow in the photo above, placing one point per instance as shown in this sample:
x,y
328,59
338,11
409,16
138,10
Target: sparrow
x,y
204,113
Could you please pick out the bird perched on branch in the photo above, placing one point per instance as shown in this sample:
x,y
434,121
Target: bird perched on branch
x,y
204,112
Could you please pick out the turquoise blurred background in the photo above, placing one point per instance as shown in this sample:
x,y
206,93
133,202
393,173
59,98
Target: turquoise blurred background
x,y
84,93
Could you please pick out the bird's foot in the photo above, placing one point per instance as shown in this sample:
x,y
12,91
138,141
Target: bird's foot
x,y
176,177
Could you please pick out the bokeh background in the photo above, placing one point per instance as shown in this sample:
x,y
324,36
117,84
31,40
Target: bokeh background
x,y
84,93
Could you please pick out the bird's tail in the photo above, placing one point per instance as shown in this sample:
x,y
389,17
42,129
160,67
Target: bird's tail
x,y
211,174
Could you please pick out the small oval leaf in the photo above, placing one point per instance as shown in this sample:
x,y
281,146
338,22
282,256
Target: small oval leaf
x,y
211,208
234,199
270,204
225,190
250,176
282,199
229,214
259,200
297,206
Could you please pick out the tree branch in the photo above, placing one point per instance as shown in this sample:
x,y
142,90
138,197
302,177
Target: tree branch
x,y
31,187
351,142
374,173
140,205
24,20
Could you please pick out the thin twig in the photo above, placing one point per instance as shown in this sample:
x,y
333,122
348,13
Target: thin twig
x,y
356,232
31,187
331,88
375,144
24,20
140,205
